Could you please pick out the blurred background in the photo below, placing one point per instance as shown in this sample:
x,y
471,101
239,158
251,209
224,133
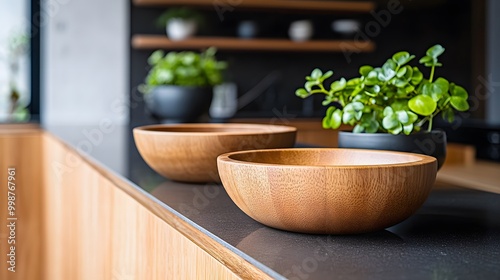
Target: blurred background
x,y
80,62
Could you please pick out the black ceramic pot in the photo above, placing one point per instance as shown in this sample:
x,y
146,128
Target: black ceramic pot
x,y
178,104
428,143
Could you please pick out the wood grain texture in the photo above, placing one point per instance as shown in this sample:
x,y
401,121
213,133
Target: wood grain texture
x,y
188,152
95,230
460,154
20,148
327,191
481,175
299,5
80,221
151,42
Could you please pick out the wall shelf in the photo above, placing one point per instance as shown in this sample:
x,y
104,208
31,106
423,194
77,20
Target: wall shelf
x,y
149,42
295,5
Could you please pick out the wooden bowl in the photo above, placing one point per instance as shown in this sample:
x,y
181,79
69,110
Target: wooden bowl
x,y
188,152
327,191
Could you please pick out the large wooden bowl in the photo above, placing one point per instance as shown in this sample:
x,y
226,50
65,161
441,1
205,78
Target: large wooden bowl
x,y
328,191
188,152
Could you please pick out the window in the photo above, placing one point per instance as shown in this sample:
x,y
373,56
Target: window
x,y
15,61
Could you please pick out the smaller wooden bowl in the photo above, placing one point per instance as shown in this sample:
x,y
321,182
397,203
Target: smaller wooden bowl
x,y
188,152
328,191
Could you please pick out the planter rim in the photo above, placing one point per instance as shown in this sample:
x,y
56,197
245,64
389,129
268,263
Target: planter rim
x,y
383,134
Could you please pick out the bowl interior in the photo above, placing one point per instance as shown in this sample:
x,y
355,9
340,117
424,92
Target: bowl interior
x,y
219,129
326,157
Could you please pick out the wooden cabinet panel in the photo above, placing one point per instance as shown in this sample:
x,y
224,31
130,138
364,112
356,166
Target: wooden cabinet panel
x,y
74,222
21,149
96,231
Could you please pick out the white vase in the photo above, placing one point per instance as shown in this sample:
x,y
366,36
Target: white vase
x,y
347,27
179,29
301,30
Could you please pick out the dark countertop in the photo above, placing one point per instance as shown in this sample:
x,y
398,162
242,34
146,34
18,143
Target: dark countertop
x,y
455,235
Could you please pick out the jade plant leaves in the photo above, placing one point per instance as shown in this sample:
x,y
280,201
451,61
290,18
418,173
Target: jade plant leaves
x,y
459,103
338,85
431,58
423,105
316,73
459,91
372,77
403,116
367,124
328,116
401,58
448,115
393,98
407,129
364,70
183,69
156,57
336,119
435,51
436,89
417,76
400,120
327,75
390,122
302,93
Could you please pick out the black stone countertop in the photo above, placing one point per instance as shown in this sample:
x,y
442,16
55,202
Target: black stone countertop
x,y
455,235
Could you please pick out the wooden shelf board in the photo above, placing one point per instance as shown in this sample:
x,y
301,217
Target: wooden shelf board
x,y
295,5
236,44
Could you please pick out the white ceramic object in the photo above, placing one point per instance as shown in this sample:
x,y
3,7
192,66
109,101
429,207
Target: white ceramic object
x,y
346,26
225,101
301,30
179,29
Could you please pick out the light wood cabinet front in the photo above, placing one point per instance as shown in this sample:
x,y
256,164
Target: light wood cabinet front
x,y
75,223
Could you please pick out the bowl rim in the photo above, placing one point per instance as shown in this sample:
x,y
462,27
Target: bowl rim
x,y
259,129
423,159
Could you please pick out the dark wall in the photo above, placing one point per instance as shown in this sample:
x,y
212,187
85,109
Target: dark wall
x,y
419,26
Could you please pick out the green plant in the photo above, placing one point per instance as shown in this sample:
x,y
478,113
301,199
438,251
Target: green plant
x,y
179,13
18,45
394,98
183,69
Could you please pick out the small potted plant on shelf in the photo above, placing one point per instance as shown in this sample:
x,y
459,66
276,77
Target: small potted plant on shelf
x,y
180,23
391,107
179,85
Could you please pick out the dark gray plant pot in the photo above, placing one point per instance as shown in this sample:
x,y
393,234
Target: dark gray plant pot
x,y
428,143
178,104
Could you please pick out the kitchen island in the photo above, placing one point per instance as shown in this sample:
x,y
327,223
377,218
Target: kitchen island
x,y
97,222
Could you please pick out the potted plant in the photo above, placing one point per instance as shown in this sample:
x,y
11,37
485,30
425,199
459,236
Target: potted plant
x,y
180,23
391,107
179,85
17,48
